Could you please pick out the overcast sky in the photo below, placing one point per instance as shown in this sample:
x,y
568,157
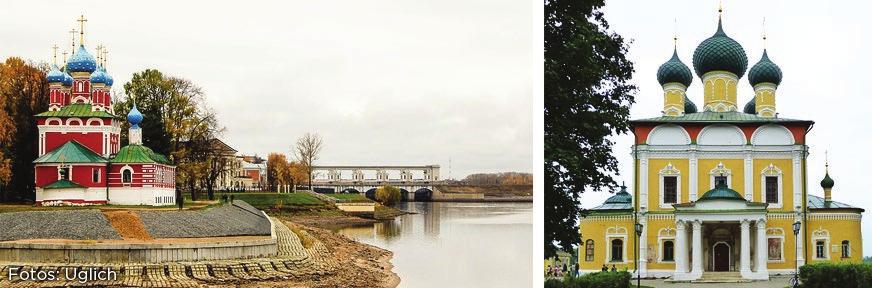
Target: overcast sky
x,y
384,82
821,48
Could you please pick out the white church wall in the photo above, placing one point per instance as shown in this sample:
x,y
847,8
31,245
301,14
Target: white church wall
x,y
668,134
772,135
721,134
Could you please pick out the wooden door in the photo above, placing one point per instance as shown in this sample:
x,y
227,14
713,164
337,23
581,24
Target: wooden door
x,y
722,257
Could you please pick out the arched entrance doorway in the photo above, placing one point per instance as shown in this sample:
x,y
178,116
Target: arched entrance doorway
x,y
721,251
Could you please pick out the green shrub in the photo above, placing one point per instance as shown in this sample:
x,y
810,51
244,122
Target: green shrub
x,y
387,195
593,280
842,275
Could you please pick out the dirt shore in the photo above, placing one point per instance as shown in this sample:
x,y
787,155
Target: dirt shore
x,y
359,265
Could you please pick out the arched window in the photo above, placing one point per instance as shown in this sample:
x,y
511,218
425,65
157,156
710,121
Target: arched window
x,y
127,176
617,250
95,175
588,250
846,249
668,251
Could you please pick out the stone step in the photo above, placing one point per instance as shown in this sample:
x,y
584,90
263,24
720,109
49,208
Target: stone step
x,y
721,277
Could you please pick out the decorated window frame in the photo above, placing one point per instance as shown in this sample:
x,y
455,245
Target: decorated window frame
x,y
669,171
616,233
823,236
775,234
772,171
720,170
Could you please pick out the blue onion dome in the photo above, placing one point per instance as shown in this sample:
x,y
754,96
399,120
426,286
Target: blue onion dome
x,y
674,71
720,53
827,182
109,79
82,61
689,107
134,117
764,72
751,106
68,80
55,75
99,76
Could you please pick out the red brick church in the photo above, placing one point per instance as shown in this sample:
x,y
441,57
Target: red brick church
x,y
81,160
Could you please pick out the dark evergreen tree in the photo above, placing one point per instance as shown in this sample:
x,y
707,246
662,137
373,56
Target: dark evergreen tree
x,y
587,100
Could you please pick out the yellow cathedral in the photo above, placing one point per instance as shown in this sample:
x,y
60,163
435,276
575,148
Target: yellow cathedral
x,y
722,192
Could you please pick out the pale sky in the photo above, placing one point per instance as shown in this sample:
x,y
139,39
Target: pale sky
x,y
821,48
384,82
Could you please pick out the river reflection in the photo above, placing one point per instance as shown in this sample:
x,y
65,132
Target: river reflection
x,y
457,244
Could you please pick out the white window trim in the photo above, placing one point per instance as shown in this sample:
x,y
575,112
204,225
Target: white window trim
x,y
775,233
126,184
718,171
772,171
666,234
69,172
824,235
670,171
593,253
617,234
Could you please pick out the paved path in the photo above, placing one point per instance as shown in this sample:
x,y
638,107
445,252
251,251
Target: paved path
x,y
292,261
774,282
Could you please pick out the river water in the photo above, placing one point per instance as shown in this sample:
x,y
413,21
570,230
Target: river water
x,y
456,244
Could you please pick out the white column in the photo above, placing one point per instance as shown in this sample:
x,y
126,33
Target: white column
x,y
643,181
692,179
749,177
680,250
643,246
745,256
800,255
696,262
762,255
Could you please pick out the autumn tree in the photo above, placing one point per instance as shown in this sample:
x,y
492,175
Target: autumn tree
x,y
587,101
306,152
23,94
179,123
276,170
388,195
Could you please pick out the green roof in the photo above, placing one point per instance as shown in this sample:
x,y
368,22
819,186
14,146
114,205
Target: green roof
x,y
674,71
620,201
720,53
722,192
63,183
76,110
817,202
764,72
138,154
71,152
725,117
827,182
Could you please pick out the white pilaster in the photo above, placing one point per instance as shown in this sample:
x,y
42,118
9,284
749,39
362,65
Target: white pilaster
x,y
692,179
696,262
643,246
749,177
643,181
800,255
745,256
680,251
762,270
797,179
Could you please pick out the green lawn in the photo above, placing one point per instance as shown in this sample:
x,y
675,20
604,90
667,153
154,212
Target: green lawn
x,y
270,200
349,197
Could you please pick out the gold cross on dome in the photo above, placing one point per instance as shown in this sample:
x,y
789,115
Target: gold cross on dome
x,y
73,39
82,21
54,57
65,58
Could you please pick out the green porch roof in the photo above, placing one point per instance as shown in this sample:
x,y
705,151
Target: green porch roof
x,y
724,117
138,154
817,202
722,192
63,183
76,110
71,152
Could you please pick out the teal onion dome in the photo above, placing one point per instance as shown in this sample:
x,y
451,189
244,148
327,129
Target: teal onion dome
x,y
827,182
674,71
689,107
764,72
621,197
722,192
99,76
134,117
82,61
720,53
55,75
751,106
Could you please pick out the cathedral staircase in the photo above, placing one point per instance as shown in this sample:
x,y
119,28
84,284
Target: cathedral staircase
x,y
721,277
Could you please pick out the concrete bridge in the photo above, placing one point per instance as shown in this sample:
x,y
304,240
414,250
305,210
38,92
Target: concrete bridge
x,y
415,182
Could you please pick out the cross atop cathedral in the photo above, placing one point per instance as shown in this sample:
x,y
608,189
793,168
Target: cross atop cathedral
x,y
54,57
82,21
73,39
